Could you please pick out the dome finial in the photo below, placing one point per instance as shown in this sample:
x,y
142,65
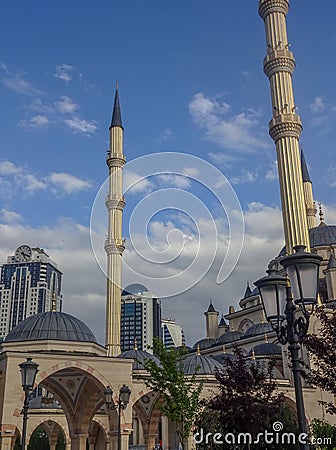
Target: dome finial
x,y
198,351
53,302
224,349
135,344
253,355
321,215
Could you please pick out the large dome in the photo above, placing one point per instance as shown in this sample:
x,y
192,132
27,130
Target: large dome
x,y
322,235
135,289
53,326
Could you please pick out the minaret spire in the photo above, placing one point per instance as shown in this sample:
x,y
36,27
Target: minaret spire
x,y
114,244
285,127
308,193
116,114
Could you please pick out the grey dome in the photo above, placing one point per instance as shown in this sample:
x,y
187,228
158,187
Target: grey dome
x,y
134,289
264,364
53,326
204,343
203,365
258,328
265,349
223,358
229,336
322,235
139,357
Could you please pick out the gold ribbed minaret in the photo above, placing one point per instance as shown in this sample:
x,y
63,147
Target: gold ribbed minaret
x,y
285,127
114,244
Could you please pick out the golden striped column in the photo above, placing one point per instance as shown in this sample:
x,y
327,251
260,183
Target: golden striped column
x,y
114,244
285,127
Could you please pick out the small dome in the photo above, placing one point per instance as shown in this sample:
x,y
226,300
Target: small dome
x,y
203,365
204,343
322,235
229,336
265,364
265,349
134,289
223,358
258,328
139,357
51,326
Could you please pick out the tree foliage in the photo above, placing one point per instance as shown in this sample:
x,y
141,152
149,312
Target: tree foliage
x,y
180,394
247,402
323,430
321,348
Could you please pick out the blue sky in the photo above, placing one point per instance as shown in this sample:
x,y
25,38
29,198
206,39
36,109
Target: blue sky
x,y
190,81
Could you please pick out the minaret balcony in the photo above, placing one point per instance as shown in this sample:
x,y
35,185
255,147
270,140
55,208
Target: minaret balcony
x,y
115,202
115,159
285,125
279,61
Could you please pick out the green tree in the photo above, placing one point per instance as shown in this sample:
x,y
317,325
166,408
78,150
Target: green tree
x,y
322,430
180,394
321,348
247,402
39,440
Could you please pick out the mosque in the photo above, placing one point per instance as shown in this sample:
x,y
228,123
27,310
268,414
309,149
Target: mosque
x,y
74,370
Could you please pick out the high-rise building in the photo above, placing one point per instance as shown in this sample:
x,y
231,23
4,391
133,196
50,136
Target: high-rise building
x,y
140,318
30,283
172,333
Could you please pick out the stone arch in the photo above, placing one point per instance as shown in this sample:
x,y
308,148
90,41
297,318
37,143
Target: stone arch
x,y
148,412
52,427
97,428
79,389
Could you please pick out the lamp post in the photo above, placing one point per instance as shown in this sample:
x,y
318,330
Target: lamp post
x,y
121,404
285,299
28,371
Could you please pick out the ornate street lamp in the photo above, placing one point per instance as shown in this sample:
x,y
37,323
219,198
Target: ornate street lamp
x,y
285,300
28,371
121,404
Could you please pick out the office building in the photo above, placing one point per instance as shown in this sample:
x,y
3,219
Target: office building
x,y
140,318
30,283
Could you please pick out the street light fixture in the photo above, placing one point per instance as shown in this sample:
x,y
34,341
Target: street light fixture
x,y
121,404
283,296
28,371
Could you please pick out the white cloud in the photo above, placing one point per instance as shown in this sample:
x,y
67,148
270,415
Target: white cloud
x,y
36,122
246,176
65,105
272,173
165,135
77,125
18,84
223,159
135,184
63,72
9,168
231,131
29,183
178,181
8,217
68,182
318,105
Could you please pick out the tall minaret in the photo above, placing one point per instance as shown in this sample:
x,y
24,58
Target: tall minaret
x,y
308,194
114,244
285,127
